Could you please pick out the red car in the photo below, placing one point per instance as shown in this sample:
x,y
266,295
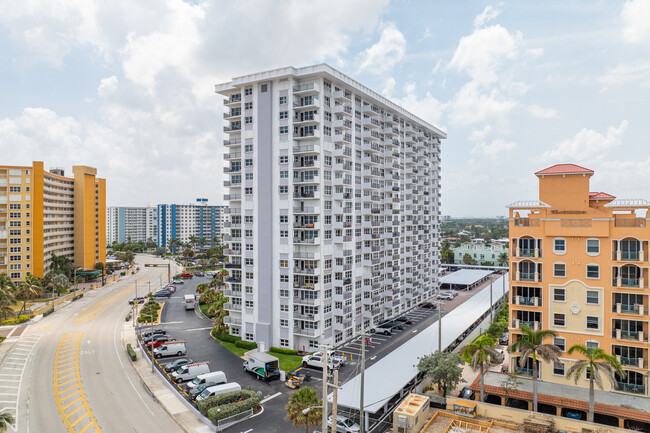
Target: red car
x,y
158,340
186,275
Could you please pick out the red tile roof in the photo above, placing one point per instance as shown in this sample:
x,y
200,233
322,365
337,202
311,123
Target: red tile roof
x,y
565,169
600,195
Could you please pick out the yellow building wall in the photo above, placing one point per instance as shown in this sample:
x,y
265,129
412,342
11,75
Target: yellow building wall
x,y
37,219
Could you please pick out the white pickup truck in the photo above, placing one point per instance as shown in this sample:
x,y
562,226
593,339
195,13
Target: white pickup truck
x,y
316,360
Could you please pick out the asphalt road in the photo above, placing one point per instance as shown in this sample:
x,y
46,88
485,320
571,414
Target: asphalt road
x,y
77,375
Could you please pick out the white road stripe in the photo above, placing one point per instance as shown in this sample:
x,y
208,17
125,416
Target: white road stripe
x,y
200,329
270,397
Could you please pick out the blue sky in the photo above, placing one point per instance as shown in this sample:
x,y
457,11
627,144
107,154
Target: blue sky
x,y
128,86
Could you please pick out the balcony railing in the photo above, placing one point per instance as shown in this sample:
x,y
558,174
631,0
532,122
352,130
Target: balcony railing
x,y
626,335
530,301
631,388
630,255
629,282
631,362
527,276
526,222
527,252
627,308
629,222
528,372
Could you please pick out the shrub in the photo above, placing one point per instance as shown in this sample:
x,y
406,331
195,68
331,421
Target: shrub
x,y
224,399
16,320
284,351
128,317
131,352
218,413
250,345
48,311
226,337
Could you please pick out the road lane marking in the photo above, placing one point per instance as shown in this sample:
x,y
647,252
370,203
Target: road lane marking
x,y
88,315
200,329
270,397
75,401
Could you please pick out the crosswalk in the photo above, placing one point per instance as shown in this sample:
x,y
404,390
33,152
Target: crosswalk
x,y
11,375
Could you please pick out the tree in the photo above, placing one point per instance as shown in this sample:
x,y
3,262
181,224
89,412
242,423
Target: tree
x,y
60,282
201,242
5,419
444,369
160,251
305,399
7,295
531,344
202,287
510,384
503,259
480,354
188,253
597,363
28,289
192,241
62,265
129,256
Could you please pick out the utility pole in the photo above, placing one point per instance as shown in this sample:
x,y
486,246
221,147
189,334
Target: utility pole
x,y
135,304
325,372
335,397
363,368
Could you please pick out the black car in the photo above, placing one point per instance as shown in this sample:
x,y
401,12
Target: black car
x,y
172,366
162,294
160,337
429,305
466,393
139,300
395,325
404,319
155,332
503,340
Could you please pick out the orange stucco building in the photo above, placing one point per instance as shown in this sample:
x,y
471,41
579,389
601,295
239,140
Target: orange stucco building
x,y
579,265
44,213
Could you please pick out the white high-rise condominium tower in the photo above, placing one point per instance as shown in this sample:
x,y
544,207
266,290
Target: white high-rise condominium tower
x,y
334,207
135,224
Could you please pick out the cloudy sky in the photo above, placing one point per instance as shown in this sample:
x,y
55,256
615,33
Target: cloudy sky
x,y
127,86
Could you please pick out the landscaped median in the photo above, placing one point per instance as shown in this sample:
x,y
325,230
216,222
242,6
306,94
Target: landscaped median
x,y
289,359
223,406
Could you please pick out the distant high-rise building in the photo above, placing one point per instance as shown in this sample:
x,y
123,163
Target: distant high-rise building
x,y
334,207
137,224
182,222
44,213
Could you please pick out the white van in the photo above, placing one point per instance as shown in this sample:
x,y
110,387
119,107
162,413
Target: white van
x,y
217,377
190,371
189,301
219,389
170,348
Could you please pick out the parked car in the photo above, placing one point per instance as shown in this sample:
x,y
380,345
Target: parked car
x,y
178,282
169,288
344,425
139,300
501,353
186,275
162,294
175,365
445,296
504,339
404,319
428,305
217,377
315,360
466,393
382,329
157,342
156,337
395,325
199,274
155,332
197,390
218,389
332,355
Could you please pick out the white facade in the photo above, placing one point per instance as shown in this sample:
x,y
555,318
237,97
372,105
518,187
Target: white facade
x,y
186,221
481,252
334,207
139,224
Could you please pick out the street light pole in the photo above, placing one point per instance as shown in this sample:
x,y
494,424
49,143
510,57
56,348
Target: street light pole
x,y
325,372
363,368
440,304
491,306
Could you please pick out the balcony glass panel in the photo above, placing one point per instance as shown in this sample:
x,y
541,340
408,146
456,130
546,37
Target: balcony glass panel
x,y
631,388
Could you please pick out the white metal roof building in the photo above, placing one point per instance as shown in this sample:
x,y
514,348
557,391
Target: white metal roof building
x,y
387,378
464,277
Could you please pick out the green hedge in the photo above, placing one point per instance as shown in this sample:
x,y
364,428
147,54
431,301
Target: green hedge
x,y
16,320
284,351
218,413
48,311
226,337
131,352
79,296
218,401
250,345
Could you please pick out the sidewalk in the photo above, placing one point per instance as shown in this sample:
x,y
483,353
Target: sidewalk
x,y
169,400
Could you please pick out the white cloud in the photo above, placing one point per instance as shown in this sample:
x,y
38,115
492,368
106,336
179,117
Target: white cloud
x,y
488,14
428,107
108,86
471,105
386,53
494,149
587,145
389,87
541,112
481,55
635,17
624,73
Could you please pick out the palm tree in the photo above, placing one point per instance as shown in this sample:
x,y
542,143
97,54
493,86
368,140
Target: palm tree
x,y
60,282
5,419
445,252
201,242
6,285
7,295
503,259
531,344
304,400
480,354
129,256
597,362
192,241
28,289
